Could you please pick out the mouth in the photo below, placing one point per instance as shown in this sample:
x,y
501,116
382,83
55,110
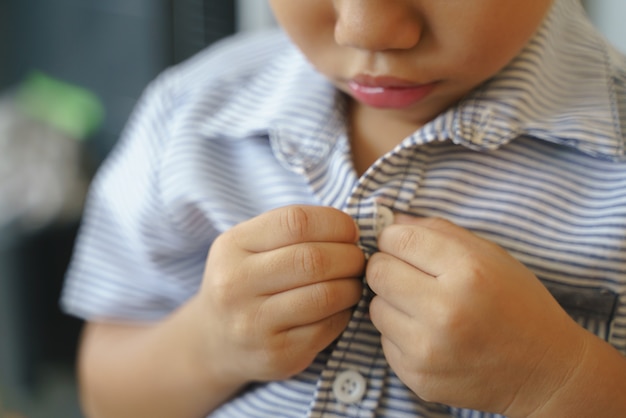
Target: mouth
x,y
388,92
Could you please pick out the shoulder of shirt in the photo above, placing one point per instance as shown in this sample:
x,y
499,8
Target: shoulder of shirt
x,y
243,85
223,67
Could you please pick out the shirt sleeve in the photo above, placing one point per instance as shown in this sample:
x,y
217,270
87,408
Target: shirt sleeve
x,y
144,237
121,268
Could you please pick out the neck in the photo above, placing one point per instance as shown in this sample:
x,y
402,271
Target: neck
x,y
373,133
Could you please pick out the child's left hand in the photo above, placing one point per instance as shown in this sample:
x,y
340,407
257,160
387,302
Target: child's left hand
x,y
464,323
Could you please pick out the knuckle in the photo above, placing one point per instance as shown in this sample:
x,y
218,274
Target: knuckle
x,y
328,330
425,389
221,290
222,243
407,240
295,221
284,359
309,260
377,269
322,298
451,322
476,276
242,328
456,325
271,355
263,319
422,381
226,287
228,244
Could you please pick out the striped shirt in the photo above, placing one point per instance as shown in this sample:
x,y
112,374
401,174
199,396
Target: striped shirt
x,y
532,160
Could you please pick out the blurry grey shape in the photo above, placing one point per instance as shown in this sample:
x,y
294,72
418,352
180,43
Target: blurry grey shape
x,y
40,172
610,17
254,15
198,23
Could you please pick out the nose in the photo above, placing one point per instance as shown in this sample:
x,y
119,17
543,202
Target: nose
x,y
377,25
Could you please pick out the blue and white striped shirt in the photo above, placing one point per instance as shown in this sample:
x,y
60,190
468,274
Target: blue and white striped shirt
x,y
532,160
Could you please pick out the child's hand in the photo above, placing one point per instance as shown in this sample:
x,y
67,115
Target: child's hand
x,y
278,289
464,323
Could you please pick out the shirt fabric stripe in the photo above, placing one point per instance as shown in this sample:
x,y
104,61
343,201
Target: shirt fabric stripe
x,y
532,160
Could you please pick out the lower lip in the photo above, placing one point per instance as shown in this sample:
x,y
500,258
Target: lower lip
x,y
390,97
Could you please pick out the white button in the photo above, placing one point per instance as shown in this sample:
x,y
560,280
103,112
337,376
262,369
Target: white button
x,y
384,218
349,386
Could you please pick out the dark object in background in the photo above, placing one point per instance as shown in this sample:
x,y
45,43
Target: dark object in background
x,y
43,180
198,23
34,331
112,48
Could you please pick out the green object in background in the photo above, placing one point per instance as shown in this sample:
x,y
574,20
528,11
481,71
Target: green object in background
x,y
75,111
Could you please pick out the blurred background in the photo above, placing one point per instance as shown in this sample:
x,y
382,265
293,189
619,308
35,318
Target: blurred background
x,y
70,73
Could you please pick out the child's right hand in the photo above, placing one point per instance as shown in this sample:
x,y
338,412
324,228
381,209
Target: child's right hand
x,y
277,290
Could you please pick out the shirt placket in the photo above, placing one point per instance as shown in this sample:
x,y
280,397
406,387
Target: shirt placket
x,y
352,382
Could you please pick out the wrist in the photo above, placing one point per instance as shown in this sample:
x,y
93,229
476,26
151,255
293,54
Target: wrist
x,y
565,387
592,387
207,356
551,373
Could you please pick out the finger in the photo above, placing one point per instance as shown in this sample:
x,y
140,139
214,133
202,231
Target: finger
x,y
294,224
429,244
291,351
316,336
397,358
399,282
395,326
304,264
392,351
310,304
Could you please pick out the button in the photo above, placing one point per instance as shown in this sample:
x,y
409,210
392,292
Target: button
x,y
384,218
349,386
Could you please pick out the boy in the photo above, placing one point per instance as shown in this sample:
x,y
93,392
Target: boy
x,y
291,167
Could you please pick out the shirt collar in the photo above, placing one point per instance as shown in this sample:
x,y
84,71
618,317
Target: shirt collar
x,y
290,102
562,88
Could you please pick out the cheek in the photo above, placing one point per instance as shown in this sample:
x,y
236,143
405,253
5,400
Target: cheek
x,y
486,38
310,24
305,20
478,58
478,67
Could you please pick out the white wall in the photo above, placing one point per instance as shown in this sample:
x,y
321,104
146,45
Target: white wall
x,y
610,17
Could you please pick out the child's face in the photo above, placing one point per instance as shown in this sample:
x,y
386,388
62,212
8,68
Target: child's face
x,y
409,58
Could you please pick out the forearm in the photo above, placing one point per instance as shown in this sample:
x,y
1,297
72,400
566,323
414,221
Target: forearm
x,y
596,388
156,370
